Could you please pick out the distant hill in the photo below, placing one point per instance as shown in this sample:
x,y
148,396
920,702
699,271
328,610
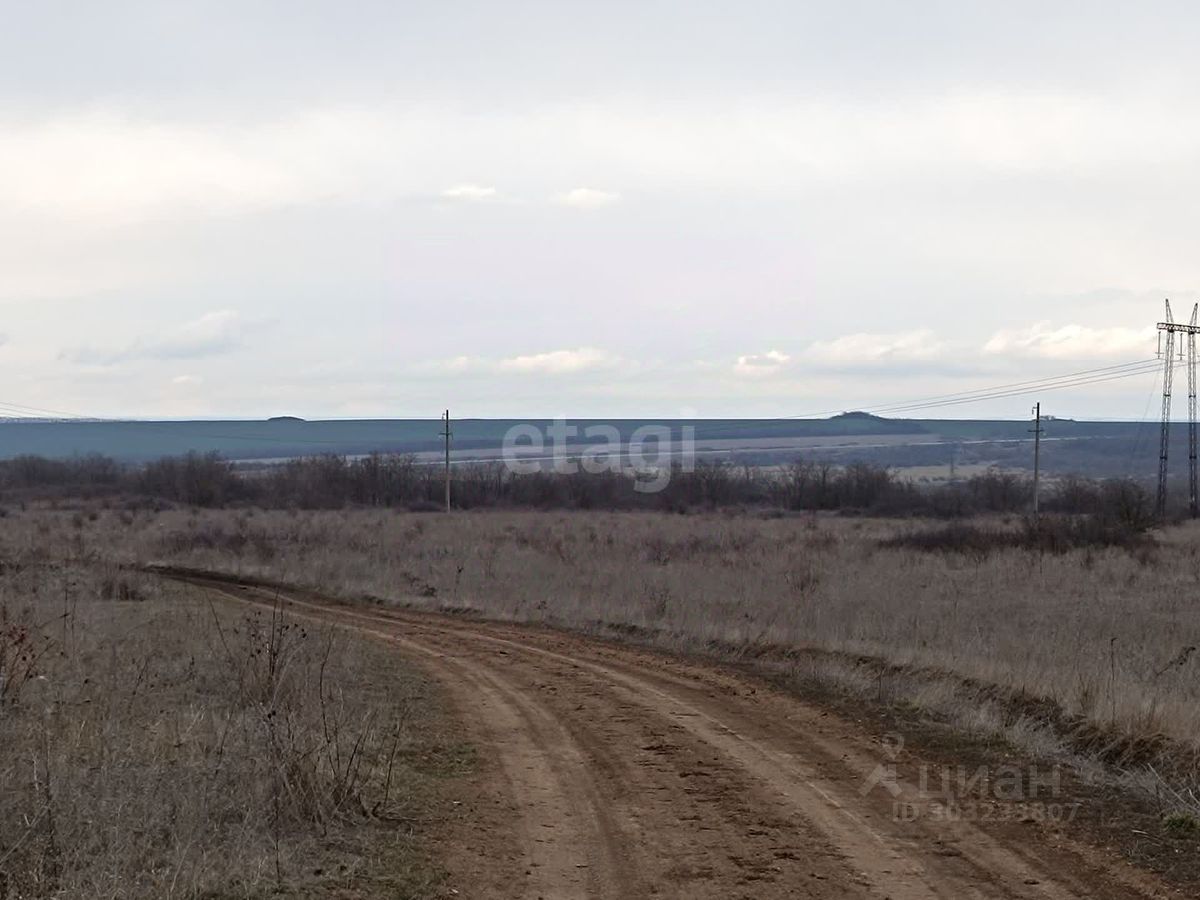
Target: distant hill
x,y
858,417
856,422
286,436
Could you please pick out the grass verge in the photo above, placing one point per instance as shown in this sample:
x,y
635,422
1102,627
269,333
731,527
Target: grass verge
x,y
158,743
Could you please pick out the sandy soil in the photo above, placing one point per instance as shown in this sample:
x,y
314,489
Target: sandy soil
x,y
613,772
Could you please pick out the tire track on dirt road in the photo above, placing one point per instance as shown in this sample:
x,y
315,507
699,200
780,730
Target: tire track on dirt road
x,y
628,773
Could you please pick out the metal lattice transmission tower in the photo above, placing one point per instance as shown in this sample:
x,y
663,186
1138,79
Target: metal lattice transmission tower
x,y
1168,329
1193,503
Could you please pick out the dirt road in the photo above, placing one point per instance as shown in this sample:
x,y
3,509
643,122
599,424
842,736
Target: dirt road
x,y
612,772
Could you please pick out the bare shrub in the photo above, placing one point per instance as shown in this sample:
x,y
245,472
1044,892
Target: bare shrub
x,y
22,648
178,746
332,482
1047,534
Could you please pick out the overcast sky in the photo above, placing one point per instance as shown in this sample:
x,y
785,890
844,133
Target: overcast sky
x,y
539,208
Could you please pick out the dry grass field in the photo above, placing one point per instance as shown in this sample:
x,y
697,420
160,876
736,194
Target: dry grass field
x,y
164,747
157,744
1105,635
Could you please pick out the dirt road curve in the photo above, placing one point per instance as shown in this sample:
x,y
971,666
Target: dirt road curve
x,y
611,772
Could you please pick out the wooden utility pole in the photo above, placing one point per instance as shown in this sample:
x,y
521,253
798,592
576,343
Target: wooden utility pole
x,y
446,434
1037,455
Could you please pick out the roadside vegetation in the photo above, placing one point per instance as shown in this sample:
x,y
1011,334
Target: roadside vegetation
x,y
1076,634
159,744
1071,636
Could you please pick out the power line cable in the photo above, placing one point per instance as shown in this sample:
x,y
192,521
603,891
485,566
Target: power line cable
x,y
1139,434
1017,384
1049,386
1014,389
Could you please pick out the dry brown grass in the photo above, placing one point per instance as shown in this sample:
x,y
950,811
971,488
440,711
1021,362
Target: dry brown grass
x,y
1104,633
159,744
1018,642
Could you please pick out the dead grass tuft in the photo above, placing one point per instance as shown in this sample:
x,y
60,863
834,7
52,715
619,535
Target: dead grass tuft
x,y
160,744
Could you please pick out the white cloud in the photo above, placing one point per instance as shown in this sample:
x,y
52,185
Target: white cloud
x,y
187,380
470,192
586,198
110,165
560,362
553,362
865,348
1072,341
761,364
458,364
211,334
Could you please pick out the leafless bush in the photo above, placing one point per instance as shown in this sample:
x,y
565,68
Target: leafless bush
x,y
398,481
1045,534
159,743
23,646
